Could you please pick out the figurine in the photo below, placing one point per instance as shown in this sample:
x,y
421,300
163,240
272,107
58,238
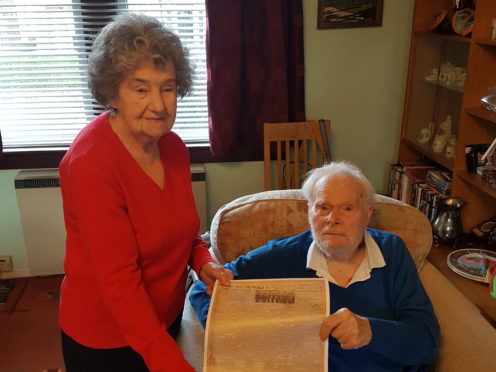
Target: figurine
x,y
449,75
433,76
439,143
425,134
445,127
450,146
444,72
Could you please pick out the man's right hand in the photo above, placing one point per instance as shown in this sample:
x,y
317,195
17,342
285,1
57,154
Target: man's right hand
x,y
350,330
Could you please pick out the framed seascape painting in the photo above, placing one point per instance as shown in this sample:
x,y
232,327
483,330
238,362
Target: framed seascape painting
x,y
349,13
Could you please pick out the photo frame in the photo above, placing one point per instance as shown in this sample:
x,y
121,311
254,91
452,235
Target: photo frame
x,y
349,13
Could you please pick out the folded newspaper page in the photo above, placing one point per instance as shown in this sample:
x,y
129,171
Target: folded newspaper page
x,y
267,325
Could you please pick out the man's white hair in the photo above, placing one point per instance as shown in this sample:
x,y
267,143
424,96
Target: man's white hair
x,y
337,168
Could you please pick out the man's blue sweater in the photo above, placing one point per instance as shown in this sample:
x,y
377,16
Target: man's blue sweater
x,y
404,328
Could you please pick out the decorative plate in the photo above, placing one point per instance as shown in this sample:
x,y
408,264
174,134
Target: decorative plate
x,y
463,21
438,18
471,263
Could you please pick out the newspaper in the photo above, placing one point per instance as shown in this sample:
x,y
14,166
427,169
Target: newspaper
x,y
267,325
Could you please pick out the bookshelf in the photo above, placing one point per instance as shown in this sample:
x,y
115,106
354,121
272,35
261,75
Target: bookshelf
x,y
430,100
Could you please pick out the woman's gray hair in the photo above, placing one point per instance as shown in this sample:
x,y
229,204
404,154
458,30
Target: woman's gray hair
x,y
336,168
126,42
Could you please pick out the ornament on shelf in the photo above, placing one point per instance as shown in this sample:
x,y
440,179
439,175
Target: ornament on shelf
x,y
433,76
439,143
463,21
450,146
445,127
450,75
442,136
425,134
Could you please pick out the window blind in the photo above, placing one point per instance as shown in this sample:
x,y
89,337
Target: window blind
x,y
44,45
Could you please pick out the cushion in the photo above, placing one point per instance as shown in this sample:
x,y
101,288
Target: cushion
x,y
250,221
407,222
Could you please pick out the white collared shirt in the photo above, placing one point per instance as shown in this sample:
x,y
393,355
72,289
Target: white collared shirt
x,y
316,260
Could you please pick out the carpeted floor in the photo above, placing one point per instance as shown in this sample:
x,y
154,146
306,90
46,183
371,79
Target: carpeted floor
x,y
29,334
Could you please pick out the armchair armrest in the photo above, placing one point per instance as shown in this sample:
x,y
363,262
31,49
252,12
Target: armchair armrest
x,y
468,341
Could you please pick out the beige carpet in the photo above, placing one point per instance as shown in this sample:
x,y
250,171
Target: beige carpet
x,y
29,334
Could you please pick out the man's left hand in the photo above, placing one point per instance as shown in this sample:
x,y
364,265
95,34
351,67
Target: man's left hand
x,y
350,330
211,272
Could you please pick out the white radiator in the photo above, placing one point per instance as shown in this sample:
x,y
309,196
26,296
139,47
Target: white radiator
x,y
40,208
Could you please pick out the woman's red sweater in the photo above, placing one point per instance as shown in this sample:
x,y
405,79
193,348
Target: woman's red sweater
x,y
128,246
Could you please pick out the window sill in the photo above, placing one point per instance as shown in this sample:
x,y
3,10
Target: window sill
x,y
51,159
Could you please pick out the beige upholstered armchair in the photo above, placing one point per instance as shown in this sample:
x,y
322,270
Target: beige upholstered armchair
x,y
468,341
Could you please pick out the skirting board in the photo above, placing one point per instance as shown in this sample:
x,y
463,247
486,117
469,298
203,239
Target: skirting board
x,y
19,272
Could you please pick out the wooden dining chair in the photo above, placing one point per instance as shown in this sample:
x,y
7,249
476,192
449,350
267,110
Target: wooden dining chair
x,y
295,148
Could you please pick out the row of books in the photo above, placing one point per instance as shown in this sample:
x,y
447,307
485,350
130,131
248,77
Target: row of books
x,y
419,185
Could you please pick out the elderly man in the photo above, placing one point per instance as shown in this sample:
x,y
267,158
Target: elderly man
x,y
381,318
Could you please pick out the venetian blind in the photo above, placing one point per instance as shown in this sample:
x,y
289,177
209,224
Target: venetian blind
x,y
44,99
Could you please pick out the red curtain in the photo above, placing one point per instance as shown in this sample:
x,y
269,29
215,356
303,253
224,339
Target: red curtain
x,y
255,72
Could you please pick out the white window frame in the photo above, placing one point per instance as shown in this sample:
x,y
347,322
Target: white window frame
x,y
49,111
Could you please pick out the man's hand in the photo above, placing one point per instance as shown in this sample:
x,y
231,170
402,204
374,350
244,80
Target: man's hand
x,y
350,330
210,272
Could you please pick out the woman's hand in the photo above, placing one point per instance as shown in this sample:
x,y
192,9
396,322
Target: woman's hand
x,y
350,330
211,272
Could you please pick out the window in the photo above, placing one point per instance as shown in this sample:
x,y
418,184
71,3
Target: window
x,y
44,99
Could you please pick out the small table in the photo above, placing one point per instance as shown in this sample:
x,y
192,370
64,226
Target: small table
x,y
475,291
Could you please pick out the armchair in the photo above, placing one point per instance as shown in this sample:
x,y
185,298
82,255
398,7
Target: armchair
x,y
468,341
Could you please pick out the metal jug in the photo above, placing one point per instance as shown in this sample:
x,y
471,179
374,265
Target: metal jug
x,y
447,226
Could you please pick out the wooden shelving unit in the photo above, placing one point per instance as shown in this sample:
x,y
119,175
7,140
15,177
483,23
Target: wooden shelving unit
x,y
488,42
454,88
476,181
439,159
428,101
482,113
462,39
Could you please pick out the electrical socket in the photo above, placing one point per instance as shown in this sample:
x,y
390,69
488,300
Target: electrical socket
x,y
6,263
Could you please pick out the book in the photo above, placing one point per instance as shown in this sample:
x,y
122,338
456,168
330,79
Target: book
x,y
394,181
419,185
411,175
442,186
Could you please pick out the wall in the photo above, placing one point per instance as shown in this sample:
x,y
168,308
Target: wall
x,y
11,239
355,77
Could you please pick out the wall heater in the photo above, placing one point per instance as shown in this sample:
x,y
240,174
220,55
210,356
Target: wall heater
x,y
40,207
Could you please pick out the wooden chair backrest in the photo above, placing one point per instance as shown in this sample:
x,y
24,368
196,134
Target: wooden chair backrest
x,y
298,147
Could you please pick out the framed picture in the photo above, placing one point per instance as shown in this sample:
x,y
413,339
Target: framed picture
x,y
349,13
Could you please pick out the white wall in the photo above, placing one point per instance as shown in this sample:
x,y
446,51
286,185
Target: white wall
x,y
356,77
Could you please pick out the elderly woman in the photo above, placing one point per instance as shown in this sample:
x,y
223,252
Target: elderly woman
x,y
132,226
